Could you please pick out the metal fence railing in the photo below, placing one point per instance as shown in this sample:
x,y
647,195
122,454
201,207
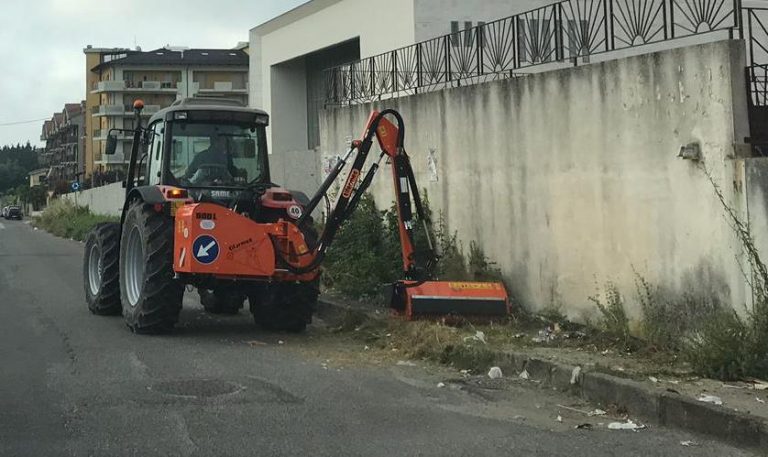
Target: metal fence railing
x,y
755,33
562,33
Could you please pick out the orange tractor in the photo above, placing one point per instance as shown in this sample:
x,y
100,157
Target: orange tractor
x,y
200,210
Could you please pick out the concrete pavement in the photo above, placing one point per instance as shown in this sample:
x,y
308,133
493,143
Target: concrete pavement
x,y
76,384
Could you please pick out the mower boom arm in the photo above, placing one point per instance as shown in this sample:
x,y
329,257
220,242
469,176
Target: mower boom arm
x,y
417,265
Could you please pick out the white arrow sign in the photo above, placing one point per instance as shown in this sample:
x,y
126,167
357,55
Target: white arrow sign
x,y
203,251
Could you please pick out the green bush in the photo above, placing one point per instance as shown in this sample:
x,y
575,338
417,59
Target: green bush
x,y
359,261
728,346
669,319
366,253
614,321
721,348
65,219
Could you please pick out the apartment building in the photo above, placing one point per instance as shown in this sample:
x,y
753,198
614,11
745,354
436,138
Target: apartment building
x,y
116,77
62,157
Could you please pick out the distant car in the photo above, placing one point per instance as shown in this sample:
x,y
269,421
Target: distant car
x,y
14,212
5,211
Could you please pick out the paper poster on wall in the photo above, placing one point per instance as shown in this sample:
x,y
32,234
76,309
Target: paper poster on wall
x,y
432,165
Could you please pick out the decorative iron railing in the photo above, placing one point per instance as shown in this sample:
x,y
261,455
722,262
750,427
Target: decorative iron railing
x,y
563,33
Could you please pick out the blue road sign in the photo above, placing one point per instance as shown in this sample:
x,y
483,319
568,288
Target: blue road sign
x,y
75,186
205,249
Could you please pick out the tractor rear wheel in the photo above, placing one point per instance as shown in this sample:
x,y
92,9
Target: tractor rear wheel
x,y
286,307
150,295
221,301
101,274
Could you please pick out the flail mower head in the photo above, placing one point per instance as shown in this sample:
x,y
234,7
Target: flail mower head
x,y
457,299
420,294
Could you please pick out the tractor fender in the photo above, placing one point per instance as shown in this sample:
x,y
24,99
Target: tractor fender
x,y
146,194
300,197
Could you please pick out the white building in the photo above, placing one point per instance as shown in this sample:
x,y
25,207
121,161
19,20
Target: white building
x,y
289,53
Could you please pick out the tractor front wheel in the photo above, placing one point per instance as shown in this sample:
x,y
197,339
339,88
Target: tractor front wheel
x,y
220,301
286,307
150,295
100,269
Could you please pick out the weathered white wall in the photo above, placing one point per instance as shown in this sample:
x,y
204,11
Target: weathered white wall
x,y
289,106
107,200
571,177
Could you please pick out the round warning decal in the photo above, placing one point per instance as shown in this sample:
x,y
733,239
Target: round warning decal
x,y
294,211
205,249
207,224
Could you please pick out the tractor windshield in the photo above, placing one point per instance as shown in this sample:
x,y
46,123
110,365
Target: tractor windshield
x,y
207,154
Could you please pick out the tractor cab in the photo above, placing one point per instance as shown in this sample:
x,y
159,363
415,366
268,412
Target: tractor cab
x,y
214,148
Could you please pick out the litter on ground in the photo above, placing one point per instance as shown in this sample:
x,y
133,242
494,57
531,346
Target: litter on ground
x,y
405,363
524,375
575,375
478,336
495,373
711,399
440,385
688,443
628,425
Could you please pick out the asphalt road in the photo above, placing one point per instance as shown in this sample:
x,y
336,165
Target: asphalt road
x,y
76,384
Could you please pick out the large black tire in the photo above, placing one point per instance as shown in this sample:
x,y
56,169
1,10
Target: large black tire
x,y
101,273
150,295
286,307
221,301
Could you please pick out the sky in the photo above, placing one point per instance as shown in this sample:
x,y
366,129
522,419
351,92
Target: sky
x,y
42,65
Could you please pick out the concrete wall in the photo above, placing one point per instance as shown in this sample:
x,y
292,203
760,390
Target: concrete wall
x,y
107,200
297,170
571,177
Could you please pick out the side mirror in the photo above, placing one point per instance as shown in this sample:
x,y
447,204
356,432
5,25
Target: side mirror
x,y
250,149
111,144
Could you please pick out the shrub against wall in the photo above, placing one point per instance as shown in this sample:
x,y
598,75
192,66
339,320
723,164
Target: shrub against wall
x,y
366,253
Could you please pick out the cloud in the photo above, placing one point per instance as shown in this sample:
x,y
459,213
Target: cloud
x,y
41,43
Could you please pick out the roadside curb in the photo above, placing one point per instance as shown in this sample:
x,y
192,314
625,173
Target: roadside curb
x,y
657,406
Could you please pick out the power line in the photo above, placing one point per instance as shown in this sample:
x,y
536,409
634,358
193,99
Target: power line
x,y
7,124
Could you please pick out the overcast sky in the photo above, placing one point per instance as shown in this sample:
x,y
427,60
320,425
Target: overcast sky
x,y
42,65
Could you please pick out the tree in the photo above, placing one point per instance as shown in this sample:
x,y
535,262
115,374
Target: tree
x,y
15,164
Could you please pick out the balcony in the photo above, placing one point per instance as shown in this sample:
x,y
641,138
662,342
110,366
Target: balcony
x,y
134,86
107,110
101,135
122,110
219,87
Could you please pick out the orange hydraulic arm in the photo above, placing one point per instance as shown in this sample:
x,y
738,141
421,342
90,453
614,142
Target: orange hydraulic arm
x,y
418,293
417,265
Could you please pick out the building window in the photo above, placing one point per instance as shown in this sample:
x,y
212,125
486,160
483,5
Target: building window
x,y
467,36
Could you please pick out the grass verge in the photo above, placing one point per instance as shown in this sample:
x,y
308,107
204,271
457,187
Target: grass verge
x,y
65,219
